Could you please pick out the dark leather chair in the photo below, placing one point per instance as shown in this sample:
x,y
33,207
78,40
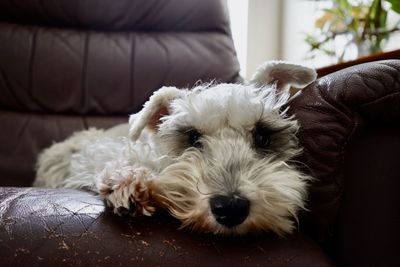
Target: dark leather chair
x,y
351,136
68,65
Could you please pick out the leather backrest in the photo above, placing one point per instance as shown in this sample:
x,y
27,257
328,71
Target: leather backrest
x,y
67,65
105,57
121,15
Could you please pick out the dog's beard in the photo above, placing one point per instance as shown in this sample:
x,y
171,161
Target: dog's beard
x,y
276,192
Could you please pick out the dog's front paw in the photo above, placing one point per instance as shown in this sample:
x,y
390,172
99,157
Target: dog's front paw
x,y
128,191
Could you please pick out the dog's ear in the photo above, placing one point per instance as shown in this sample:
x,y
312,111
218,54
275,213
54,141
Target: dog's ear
x,y
153,110
283,75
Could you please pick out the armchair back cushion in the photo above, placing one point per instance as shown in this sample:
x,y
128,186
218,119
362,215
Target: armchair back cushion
x,y
69,65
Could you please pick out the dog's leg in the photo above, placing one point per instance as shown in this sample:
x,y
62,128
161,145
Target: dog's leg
x,y
128,190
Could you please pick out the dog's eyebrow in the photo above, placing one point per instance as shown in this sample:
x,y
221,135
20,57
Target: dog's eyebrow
x,y
268,127
185,130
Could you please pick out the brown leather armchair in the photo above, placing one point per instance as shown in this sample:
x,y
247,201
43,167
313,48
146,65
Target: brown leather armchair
x,y
351,136
68,65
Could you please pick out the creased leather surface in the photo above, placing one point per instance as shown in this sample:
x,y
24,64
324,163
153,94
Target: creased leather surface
x,y
137,15
85,72
332,112
24,135
45,227
70,64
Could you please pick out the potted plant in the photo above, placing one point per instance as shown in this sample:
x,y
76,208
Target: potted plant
x,y
362,24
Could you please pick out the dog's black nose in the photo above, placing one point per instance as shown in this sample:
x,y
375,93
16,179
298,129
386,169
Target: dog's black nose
x,y
229,210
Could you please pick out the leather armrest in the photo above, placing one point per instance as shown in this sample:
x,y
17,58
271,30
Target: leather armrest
x,y
350,131
70,227
332,112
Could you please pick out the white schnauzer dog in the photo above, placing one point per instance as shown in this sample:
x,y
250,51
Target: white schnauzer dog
x,y
218,157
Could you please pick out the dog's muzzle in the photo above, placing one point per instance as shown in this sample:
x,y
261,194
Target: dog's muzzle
x,y
229,210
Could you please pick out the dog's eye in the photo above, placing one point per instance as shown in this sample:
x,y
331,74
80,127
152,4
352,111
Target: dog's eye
x,y
193,138
262,137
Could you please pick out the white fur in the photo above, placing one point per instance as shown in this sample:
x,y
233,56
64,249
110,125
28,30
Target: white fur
x,y
152,166
287,74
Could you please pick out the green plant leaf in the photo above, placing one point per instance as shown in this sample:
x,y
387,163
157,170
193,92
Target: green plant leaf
x,y
395,5
383,19
375,11
364,24
344,4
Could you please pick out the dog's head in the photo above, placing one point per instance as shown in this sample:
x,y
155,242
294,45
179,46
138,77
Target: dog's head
x,y
229,147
